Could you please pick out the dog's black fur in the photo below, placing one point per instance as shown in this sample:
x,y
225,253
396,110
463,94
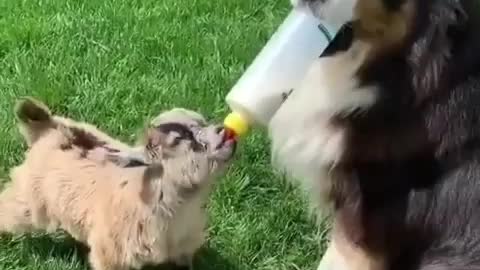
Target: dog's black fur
x,y
409,188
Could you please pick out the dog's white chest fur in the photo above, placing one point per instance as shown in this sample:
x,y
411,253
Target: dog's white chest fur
x,y
305,142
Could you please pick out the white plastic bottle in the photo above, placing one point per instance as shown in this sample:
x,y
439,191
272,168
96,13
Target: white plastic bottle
x,y
277,70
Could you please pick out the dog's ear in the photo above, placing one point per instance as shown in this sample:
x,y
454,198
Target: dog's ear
x,y
432,49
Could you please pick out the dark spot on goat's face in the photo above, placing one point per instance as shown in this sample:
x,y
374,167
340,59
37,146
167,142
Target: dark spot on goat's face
x,y
173,139
182,131
181,138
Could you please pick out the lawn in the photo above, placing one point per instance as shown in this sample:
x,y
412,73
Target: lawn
x,y
115,64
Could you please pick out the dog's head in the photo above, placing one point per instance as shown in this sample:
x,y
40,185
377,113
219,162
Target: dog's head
x,y
425,28
371,124
410,50
368,102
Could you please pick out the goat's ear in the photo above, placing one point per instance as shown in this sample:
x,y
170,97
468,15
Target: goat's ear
x,y
161,144
153,173
432,51
156,138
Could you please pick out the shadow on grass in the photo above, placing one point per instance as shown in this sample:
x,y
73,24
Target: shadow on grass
x,y
58,247
65,248
210,259
206,259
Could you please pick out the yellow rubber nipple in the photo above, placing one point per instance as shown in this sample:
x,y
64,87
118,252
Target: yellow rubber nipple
x,y
237,123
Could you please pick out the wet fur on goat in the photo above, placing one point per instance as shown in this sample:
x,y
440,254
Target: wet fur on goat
x,y
386,135
129,217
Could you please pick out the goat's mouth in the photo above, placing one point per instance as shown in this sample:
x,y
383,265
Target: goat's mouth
x,y
217,143
225,143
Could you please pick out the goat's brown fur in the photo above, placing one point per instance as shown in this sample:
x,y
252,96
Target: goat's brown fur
x,y
129,217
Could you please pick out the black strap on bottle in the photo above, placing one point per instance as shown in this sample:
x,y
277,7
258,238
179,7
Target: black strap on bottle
x,y
340,42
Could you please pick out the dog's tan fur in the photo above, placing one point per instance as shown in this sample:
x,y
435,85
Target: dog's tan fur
x,y
381,28
129,217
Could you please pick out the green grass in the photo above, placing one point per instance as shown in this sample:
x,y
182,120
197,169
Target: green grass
x,y
116,63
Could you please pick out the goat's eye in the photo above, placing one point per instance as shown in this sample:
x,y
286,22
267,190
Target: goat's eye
x,y
176,141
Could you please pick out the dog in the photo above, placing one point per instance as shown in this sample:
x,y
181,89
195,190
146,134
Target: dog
x,y
387,137
129,216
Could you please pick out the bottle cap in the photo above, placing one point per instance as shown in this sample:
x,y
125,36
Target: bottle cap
x,y
236,123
